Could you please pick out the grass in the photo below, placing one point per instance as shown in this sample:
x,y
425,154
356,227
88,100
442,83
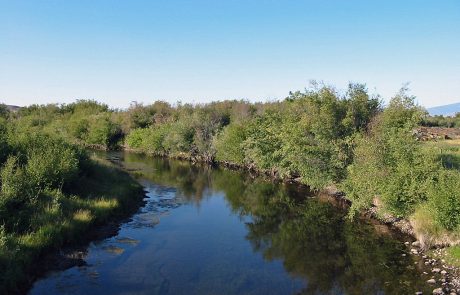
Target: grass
x,y
449,150
103,194
428,231
452,256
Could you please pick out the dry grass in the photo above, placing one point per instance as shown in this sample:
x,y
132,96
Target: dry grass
x,y
428,232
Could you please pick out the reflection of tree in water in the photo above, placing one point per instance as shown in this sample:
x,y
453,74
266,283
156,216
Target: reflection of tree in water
x,y
191,181
313,239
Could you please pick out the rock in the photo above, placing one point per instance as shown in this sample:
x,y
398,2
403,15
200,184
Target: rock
x,y
416,244
436,270
438,291
431,281
403,255
414,251
443,272
406,243
419,293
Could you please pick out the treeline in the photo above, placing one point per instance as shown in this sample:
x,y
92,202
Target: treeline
x,y
442,121
319,137
51,193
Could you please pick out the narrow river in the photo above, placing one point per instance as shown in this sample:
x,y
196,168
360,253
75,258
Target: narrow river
x,y
214,231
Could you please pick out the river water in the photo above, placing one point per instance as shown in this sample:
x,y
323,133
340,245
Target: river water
x,y
206,230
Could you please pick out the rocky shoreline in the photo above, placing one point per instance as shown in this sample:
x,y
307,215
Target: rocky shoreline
x,y
444,278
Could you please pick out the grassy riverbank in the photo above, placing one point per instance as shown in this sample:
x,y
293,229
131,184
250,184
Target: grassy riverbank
x,y
51,194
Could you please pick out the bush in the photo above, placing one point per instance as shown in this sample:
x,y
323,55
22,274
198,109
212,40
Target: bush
x,y
263,143
13,181
103,131
149,139
135,138
78,128
444,199
52,166
229,144
179,138
389,163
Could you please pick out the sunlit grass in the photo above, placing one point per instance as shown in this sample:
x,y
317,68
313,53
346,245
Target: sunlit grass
x,y
428,231
104,193
83,216
452,256
449,152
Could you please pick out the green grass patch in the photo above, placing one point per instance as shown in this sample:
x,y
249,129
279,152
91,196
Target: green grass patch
x,y
103,193
449,152
452,256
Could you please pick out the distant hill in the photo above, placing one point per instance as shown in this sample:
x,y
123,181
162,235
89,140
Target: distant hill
x,y
445,110
12,108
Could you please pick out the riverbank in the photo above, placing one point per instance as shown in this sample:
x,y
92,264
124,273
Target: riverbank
x,y
105,195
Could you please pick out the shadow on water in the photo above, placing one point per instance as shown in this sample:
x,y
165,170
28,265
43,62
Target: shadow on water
x,y
261,238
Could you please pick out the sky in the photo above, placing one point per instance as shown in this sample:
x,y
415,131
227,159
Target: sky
x,y
199,51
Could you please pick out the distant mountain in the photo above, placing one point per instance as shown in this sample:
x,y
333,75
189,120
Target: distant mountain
x,y
12,108
445,110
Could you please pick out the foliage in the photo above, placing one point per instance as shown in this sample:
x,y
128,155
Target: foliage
x,y
444,198
442,121
389,163
103,131
43,202
228,144
319,137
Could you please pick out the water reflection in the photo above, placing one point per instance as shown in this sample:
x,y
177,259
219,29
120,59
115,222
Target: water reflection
x,y
307,244
313,239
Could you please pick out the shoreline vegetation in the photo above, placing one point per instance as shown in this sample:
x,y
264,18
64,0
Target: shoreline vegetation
x,y
321,137
53,195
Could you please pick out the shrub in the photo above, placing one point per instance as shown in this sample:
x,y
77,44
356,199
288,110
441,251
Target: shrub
x,y
179,138
444,199
149,139
78,128
263,142
229,144
52,166
103,131
135,139
15,196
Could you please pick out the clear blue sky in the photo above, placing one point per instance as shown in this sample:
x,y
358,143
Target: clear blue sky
x,y
198,51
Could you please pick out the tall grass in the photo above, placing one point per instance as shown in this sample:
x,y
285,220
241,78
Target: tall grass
x,y
55,216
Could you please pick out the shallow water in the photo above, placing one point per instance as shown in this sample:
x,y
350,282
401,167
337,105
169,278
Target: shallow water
x,y
214,231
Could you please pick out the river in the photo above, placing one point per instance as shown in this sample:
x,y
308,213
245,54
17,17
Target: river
x,y
207,230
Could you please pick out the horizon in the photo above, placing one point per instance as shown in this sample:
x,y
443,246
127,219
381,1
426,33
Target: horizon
x,y
174,104
202,51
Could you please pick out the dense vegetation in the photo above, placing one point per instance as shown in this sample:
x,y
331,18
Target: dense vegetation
x,y
51,192
442,121
319,137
